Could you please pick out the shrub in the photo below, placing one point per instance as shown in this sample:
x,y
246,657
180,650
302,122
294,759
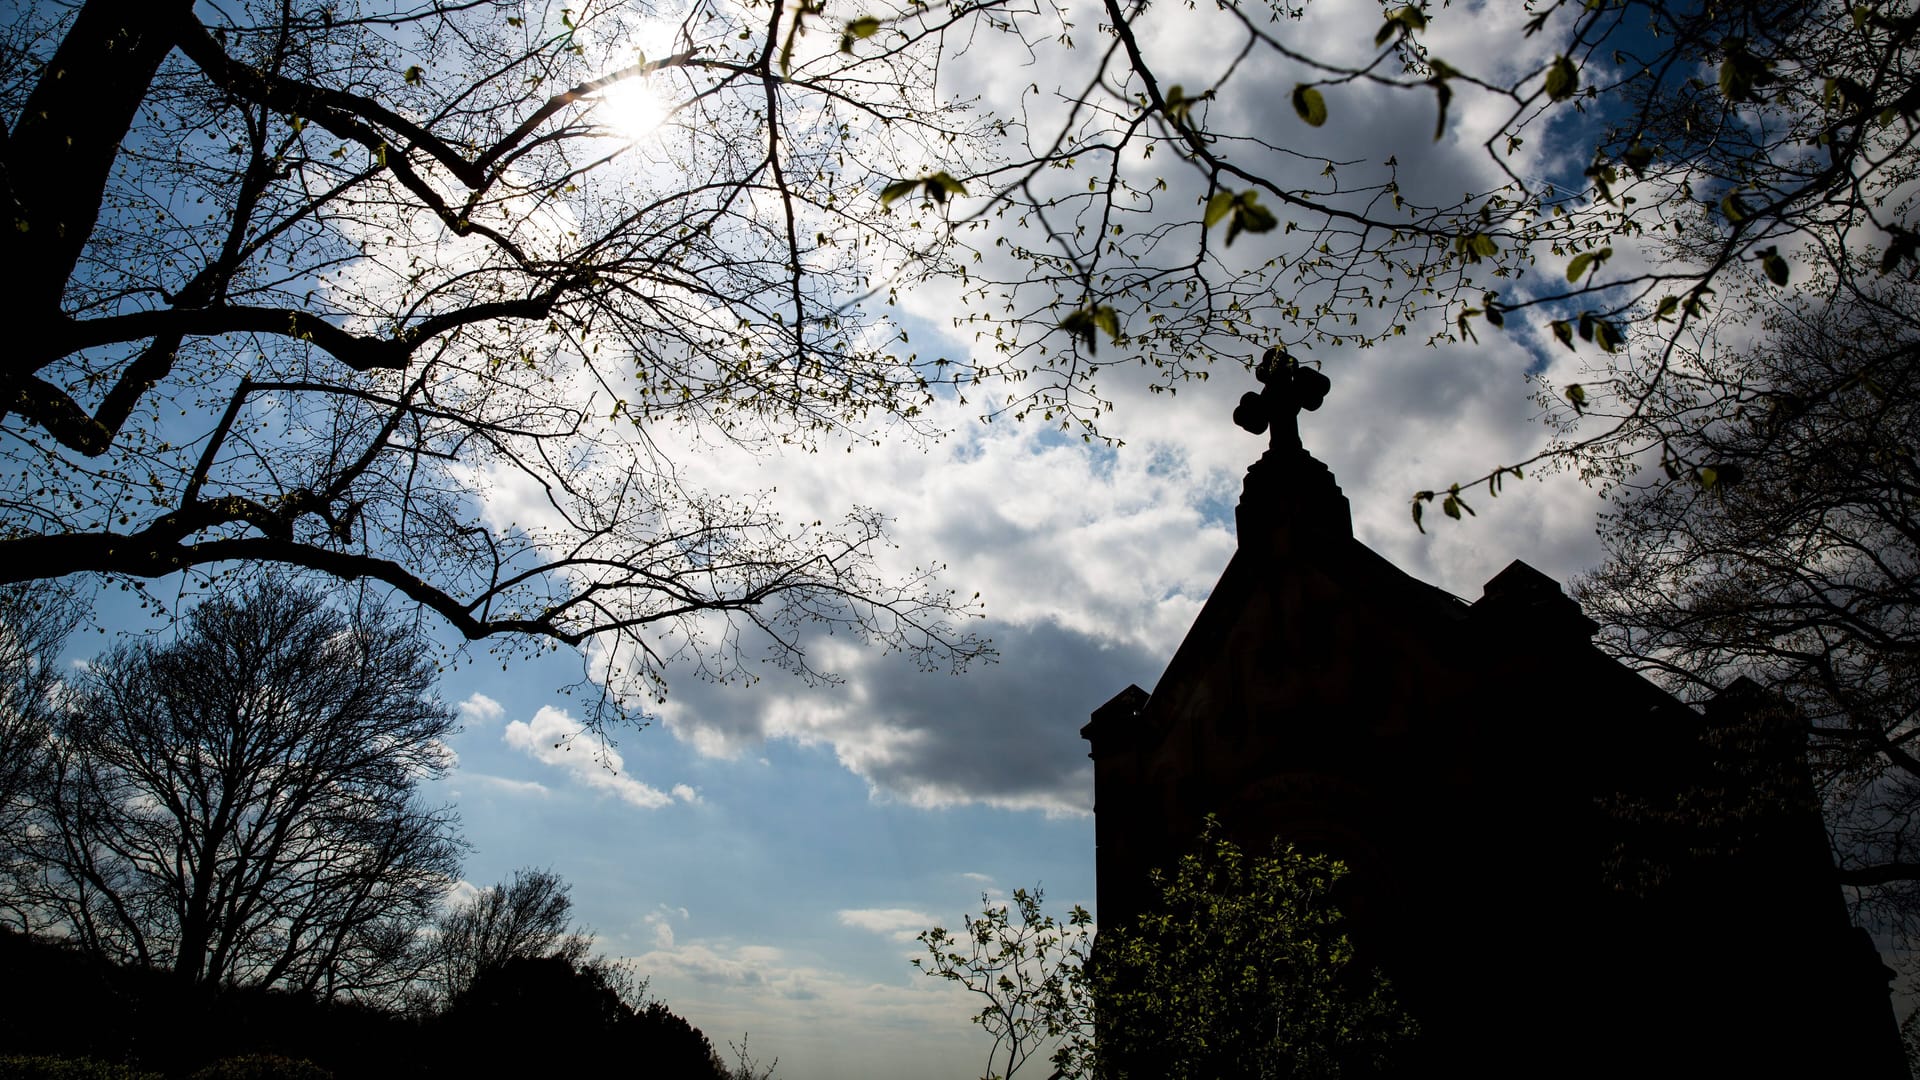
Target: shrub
x,y
59,1068
262,1067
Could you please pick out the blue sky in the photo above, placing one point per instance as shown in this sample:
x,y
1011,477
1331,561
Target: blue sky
x,y
765,853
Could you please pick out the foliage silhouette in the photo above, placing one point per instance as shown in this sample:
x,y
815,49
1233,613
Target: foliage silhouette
x,y
1779,544
1240,967
34,621
529,916
582,1024
262,1067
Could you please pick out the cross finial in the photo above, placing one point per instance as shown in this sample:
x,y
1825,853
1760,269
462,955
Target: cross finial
x,y
1288,388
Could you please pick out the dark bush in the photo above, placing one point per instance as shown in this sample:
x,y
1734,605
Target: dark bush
x,y
58,1068
262,1067
546,1016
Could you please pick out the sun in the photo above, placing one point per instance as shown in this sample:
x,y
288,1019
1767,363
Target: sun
x,y
632,109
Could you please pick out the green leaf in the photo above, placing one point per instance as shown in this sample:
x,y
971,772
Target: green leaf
x,y
1482,245
1668,305
1585,261
1577,397
1741,71
942,184
1638,157
1250,216
413,75
1774,265
1905,245
1406,20
1607,336
1084,323
1563,79
896,191
1310,105
1451,507
858,30
1732,207
1708,476
1564,331
1217,208
1444,94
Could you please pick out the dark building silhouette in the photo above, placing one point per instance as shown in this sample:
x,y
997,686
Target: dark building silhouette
x,y
1563,869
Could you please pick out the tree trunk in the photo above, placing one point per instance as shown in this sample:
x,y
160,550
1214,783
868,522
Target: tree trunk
x,y
58,156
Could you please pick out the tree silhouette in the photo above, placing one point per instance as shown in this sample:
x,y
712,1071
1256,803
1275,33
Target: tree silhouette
x,y
239,806
315,285
529,916
1781,544
547,1015
1239,966
34,621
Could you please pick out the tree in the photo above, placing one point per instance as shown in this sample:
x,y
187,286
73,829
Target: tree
x,y
585,1026
1031,969
1604,144
314,284
1786,550
304,285
34,621
529,916
240,805
1240,968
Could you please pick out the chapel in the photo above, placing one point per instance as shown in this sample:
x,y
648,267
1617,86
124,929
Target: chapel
x,y
1562,868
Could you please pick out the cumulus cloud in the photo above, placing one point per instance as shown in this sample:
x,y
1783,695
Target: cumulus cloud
x,y
478,708
1093,562
660,921
1004,734
555,738
900,924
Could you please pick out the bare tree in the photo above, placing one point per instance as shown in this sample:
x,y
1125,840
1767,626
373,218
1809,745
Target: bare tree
x,y
241,805
1782,542
315,284
529,916
34,621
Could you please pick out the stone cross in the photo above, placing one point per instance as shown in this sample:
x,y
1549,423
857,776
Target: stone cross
x,y
1288,388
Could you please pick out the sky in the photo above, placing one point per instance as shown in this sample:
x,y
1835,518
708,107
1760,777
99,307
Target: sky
x,y
765,854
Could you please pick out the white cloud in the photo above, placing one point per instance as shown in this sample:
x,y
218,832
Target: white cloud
x,y
803,1011
1094,563
900,924
503,784
554,738
460,893
481,709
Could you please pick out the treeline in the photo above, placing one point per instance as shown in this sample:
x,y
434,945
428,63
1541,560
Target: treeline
x,y
526,1015
218,847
